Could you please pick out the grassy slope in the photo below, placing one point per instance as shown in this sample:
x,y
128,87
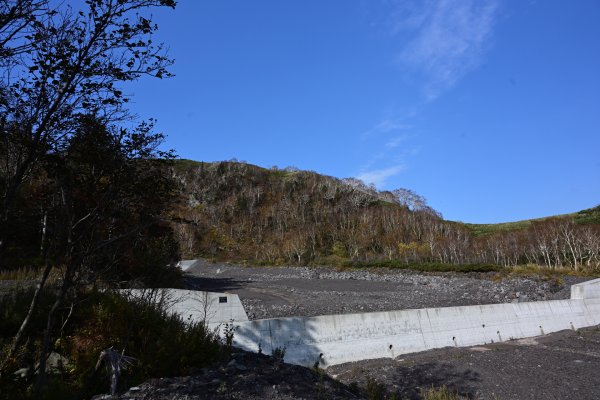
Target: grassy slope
x,y
589,216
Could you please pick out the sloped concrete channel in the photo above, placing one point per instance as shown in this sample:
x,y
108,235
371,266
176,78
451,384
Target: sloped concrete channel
x,y
335,339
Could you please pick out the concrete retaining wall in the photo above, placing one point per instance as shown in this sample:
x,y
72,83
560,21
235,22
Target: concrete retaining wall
x,y
335,339
187,264
586,290
195,306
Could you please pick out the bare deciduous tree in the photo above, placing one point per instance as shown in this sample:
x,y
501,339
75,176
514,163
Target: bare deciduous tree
x,y
65,62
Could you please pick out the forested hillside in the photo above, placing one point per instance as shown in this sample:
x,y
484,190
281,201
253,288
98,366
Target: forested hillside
x,y
238,211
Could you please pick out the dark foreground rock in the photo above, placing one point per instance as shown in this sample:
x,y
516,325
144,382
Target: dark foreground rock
x,y
244,376
562,365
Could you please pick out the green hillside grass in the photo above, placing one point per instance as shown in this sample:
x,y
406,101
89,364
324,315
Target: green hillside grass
x,y
490,229
588,216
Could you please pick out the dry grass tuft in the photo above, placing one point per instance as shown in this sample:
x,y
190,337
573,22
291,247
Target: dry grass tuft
x,y
441,393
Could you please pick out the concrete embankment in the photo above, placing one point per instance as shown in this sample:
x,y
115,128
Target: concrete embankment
x,y
195,306
335,339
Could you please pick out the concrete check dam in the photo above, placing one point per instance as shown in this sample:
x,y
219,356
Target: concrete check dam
x,y
335,339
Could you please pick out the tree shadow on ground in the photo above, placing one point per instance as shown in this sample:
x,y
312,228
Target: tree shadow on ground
x,y
192,282
410,380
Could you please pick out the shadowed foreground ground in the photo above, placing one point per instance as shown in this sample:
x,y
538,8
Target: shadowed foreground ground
x,y
562,365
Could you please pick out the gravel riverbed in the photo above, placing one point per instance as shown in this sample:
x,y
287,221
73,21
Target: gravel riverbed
x,y
562,365
269,292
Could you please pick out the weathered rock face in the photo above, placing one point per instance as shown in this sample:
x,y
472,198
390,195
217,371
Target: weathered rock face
x,y
245,376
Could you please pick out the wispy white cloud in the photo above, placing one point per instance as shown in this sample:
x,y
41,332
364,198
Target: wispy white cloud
x,y
389,134
386,125
443,41
395,142
378,177
446,38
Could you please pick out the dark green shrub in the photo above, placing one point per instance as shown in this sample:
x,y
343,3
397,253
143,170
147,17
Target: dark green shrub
x,y
424,267
375,390
278,354
441,393
163,344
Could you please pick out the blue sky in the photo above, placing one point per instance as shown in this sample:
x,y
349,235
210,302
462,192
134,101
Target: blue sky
x,y
488,108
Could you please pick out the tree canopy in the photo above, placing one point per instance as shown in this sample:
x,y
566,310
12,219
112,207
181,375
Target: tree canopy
x,y
83,190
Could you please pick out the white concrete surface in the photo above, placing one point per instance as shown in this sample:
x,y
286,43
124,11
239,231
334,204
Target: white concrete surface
x,y
335,339
187,264
586,290
212,307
